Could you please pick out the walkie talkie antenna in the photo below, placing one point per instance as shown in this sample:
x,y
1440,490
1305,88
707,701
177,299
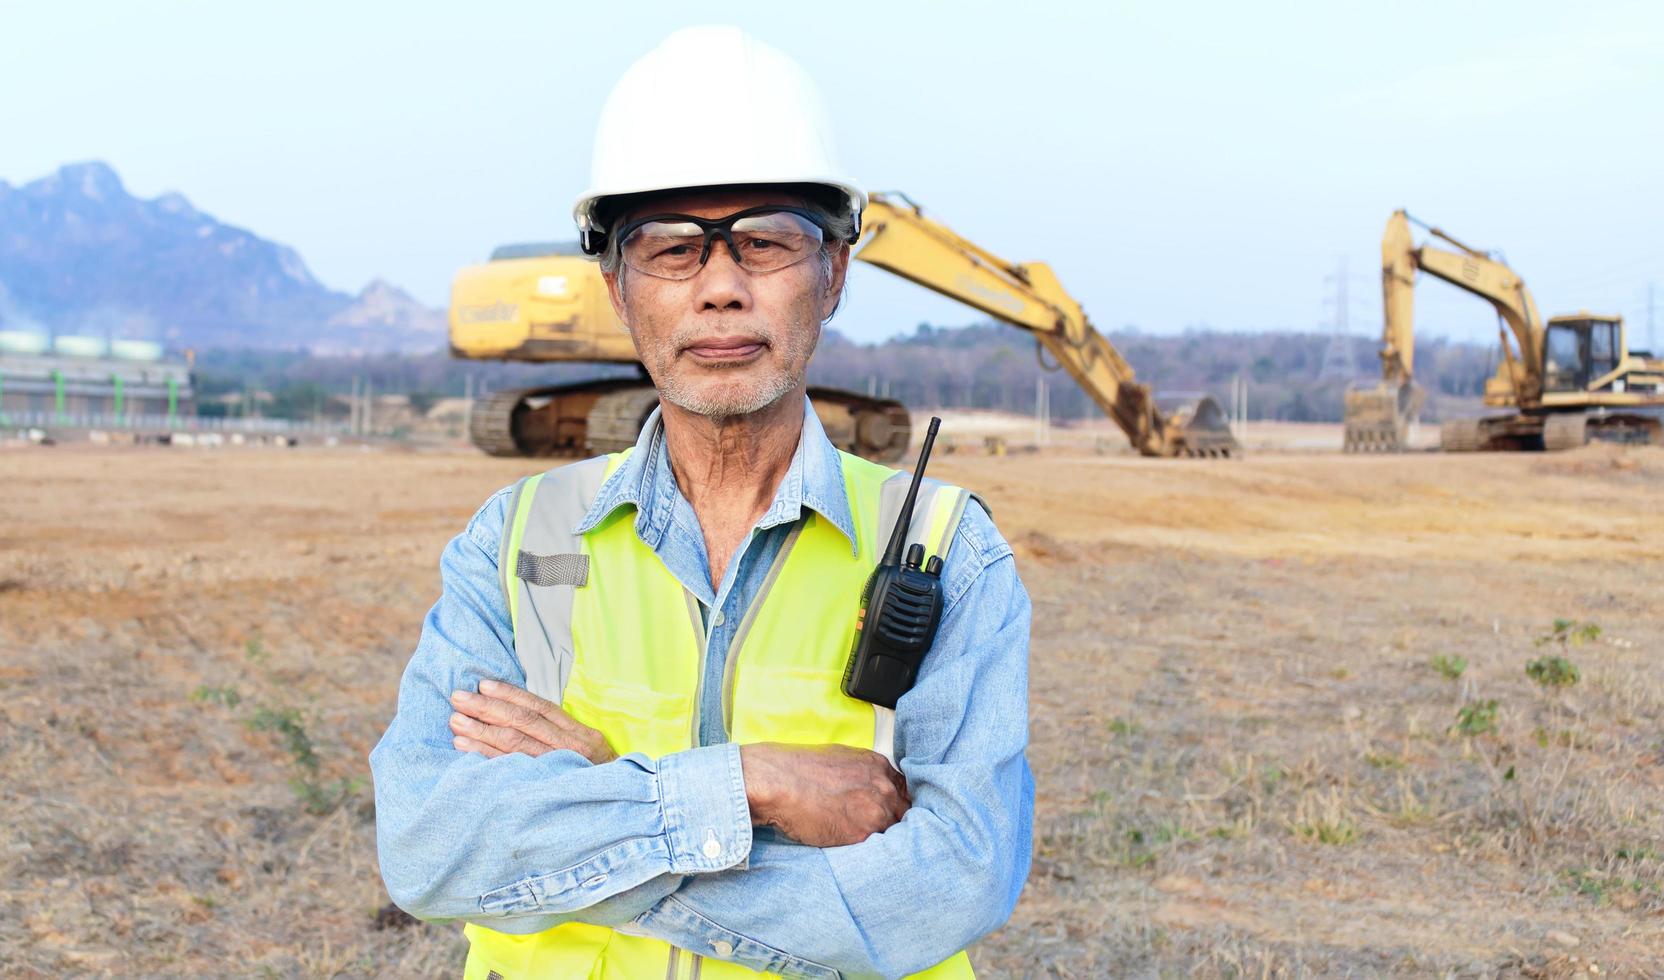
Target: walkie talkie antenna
x,y
892,554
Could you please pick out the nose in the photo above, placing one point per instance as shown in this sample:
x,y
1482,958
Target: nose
x,y
722,284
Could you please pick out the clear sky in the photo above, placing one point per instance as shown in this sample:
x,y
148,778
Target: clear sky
x,y
1179,164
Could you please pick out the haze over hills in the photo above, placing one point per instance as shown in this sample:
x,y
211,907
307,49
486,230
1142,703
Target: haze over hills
x,y
80,255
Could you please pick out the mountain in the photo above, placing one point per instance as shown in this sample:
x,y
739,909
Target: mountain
x,y
379,315
79,254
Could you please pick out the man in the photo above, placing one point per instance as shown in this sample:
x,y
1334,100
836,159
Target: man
x,y
621,746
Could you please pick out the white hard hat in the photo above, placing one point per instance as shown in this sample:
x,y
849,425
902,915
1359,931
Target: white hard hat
x,y
710,106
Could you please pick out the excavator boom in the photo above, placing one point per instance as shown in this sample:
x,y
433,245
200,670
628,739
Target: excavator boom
x,y
898,237
1398,298
1477,272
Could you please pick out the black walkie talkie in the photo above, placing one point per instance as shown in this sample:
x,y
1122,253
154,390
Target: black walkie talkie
x,y
900,610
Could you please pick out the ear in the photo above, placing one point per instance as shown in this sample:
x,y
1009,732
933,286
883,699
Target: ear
x,y
837,269
615,293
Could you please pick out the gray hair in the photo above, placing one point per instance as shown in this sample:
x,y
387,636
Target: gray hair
x,y
839,222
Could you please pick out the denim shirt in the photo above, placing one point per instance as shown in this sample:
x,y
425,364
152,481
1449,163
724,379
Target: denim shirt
x,y
665,847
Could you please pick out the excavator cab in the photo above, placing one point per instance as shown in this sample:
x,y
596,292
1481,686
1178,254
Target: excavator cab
x,y
1580,350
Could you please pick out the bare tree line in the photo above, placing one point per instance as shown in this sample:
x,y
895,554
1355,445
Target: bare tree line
x,y
982,366
990,366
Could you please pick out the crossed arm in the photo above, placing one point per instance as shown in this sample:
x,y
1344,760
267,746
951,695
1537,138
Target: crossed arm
x,y
820,795
535,822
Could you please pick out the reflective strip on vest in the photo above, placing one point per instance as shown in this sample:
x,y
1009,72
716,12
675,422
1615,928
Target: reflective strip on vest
x,y
520,506
625,653
545,514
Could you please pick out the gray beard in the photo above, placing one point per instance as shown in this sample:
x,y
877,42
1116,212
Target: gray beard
x,y
728,402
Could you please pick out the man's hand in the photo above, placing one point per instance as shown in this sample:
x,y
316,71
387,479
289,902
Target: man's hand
x,y
503,719
822,795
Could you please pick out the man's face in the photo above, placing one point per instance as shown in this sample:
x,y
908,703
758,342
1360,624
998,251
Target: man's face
x,y
727,342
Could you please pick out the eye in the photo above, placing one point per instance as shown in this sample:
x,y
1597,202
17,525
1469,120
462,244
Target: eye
x,y
668,248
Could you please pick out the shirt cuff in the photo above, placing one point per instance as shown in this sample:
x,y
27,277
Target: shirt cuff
x,y
706,818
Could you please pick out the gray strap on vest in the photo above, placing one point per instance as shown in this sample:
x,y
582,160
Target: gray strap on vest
x,y
503,557
550,565
570,570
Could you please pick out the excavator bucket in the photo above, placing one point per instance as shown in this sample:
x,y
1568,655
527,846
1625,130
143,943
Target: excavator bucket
x,y
1201,428
1379,416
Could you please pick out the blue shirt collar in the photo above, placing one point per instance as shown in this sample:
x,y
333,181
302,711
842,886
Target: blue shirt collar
x,y
814,480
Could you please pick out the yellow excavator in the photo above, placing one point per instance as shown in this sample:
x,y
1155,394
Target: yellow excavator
x,y
549,303
1567,382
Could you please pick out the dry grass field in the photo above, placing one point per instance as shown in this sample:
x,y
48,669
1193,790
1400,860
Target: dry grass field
x,y
1282,720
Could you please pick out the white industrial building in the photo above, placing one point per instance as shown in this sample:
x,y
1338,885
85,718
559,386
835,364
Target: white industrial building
x,y
72,380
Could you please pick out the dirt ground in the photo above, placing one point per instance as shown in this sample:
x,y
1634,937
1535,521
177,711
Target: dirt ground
x,y
1282,722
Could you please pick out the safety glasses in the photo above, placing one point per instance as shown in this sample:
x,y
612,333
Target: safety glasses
x,y
764,239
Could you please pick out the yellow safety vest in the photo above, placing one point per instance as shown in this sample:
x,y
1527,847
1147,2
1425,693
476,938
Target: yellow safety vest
x,y
619,643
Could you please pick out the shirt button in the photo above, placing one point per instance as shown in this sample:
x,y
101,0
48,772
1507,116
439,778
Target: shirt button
x,y
723,948
719,618
712,848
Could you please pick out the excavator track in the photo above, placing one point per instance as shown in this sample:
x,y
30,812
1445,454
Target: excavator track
x,y
1557,432
545,421
616,419
1562,432
1573,430
879,429
589,418
1461,435
491,422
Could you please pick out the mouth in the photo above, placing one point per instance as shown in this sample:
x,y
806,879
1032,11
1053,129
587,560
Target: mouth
x,y
718,350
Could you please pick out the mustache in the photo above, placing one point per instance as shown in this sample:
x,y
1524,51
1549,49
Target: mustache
x,y
684,337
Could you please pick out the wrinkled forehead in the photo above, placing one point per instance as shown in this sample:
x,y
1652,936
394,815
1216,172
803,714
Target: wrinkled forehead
x,y
711,202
